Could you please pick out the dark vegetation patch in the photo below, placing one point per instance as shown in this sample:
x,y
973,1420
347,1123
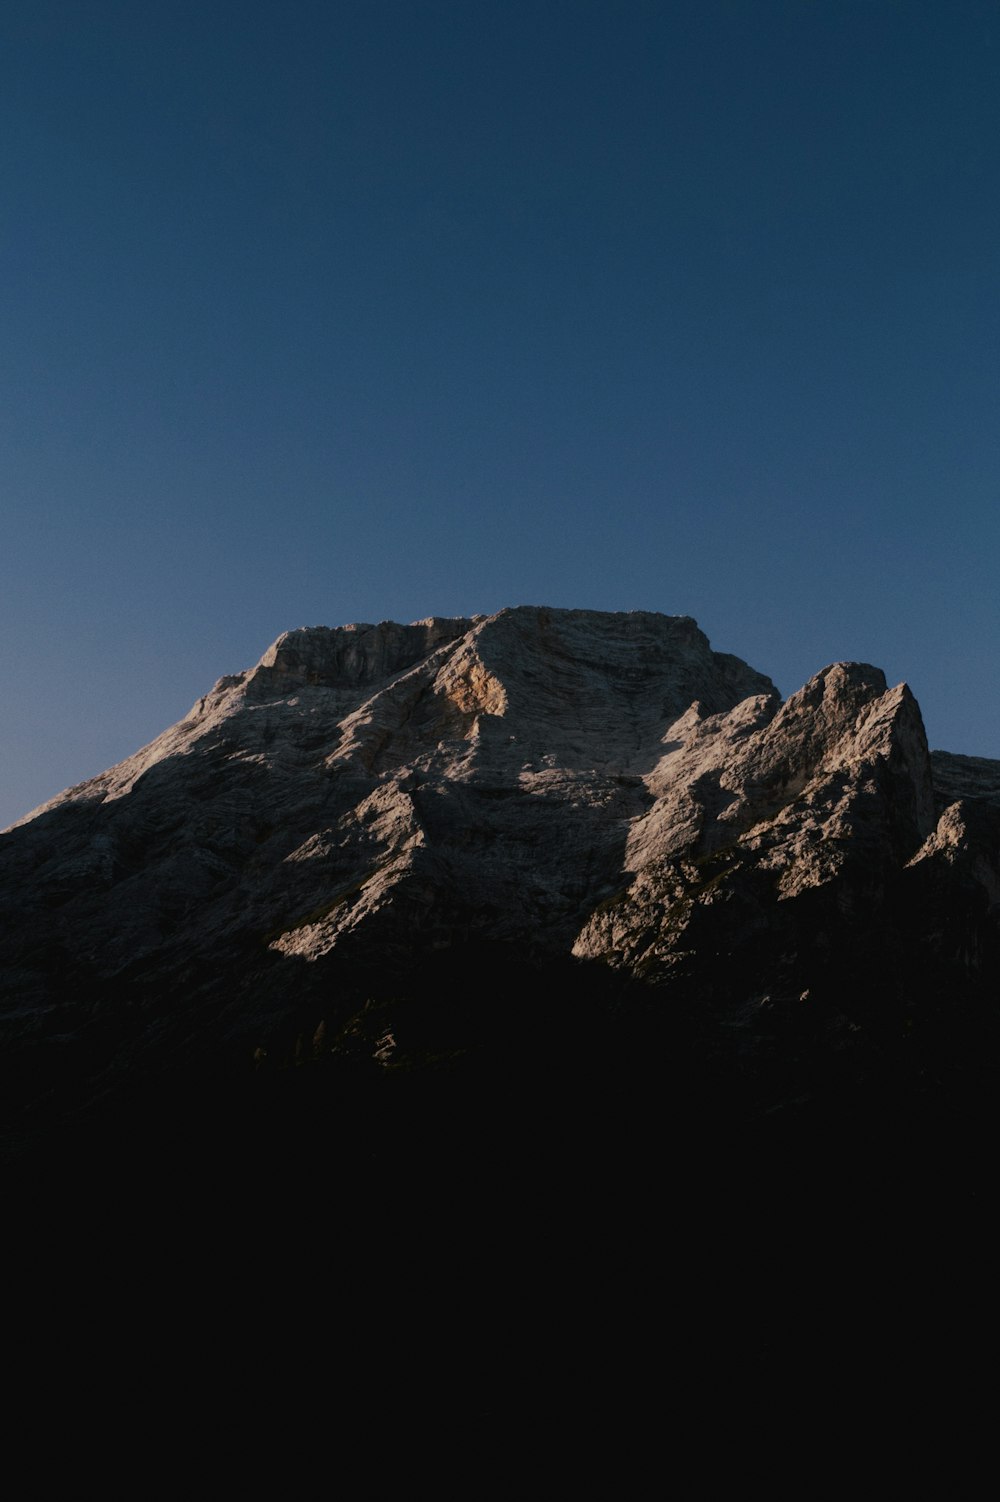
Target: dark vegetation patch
x,y
497,1183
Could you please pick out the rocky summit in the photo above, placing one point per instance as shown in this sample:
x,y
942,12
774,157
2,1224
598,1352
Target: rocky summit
x,y
560,855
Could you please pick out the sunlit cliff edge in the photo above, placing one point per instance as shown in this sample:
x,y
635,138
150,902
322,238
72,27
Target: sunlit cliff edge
x,y
796,882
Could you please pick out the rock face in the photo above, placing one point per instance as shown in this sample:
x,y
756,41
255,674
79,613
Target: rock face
x,y
789,888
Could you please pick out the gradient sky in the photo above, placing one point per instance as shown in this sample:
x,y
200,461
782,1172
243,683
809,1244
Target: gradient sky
x,y
321,312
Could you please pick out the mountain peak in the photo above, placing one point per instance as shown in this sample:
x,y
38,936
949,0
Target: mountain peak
x,y
554,782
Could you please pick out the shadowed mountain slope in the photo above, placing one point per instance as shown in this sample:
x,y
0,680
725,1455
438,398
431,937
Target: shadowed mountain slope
x,y
544,843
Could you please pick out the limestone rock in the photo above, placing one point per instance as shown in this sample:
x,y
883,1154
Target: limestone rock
x,y
551,783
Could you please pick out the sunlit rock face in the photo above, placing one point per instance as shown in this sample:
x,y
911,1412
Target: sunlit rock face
x,y
831,788
484,774
557,785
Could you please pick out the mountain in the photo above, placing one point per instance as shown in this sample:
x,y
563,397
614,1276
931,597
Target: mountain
x,y
576,856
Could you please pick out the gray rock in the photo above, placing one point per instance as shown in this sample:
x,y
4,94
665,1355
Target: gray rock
x,y
561,782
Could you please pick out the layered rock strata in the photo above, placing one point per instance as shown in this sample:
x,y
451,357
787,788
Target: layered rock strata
x,y
557,785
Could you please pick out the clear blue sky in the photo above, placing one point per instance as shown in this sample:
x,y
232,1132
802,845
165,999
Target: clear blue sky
x,y
319,312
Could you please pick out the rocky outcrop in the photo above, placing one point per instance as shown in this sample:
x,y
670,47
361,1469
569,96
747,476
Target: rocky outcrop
x,y
832,788
484,773
563,788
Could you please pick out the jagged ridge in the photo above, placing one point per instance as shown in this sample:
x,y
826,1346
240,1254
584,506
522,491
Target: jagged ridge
x,y
558,782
